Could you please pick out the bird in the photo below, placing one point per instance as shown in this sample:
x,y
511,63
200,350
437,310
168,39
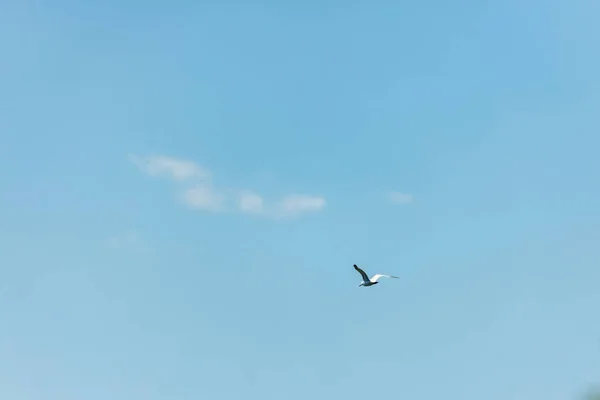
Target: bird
x,y
373,281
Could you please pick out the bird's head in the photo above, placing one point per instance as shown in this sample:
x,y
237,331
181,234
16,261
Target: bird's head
x,y
361,284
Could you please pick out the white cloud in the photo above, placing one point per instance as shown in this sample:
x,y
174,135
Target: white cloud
x,y
299,203
400,198
292,205
250,202
199,192
176,169
204,197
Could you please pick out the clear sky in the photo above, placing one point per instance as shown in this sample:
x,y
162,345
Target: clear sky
x,y
185,186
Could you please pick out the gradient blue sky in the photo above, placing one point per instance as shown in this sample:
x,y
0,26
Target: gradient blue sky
x,y
147,147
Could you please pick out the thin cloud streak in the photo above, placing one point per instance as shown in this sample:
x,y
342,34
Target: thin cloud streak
x,y
176,169
199,192
400,198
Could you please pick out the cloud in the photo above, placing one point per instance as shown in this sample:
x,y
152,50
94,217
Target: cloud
x,y
292,205
250,202
298,204
201,195
198,191
400,198
203,198
176,169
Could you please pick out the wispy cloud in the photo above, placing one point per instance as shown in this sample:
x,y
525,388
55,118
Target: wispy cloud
x,y
176,169
199,194
250,202
297,204
198,191
203,197
289,206
400,198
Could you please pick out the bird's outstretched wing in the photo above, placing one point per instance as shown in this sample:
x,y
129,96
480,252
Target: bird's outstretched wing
x,y
364,276
377,276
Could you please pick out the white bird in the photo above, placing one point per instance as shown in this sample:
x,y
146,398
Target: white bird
x,y
373,281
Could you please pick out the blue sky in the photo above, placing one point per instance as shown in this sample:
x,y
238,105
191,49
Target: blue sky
x,y
186,186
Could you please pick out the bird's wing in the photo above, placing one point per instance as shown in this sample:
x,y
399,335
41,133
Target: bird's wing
x,y
364,276
377,276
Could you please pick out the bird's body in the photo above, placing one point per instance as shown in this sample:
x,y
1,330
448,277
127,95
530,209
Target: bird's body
x,y
373,280
368,283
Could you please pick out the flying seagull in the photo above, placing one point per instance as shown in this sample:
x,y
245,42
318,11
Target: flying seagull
x,y
373,281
